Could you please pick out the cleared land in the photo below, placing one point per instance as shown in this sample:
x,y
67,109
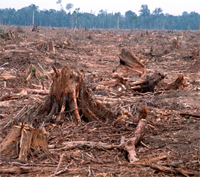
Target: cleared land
x,y
173,123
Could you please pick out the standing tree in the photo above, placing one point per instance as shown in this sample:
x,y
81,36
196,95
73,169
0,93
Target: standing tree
x,y
69,6
34,8
117,15
61,10
102,14
77,14
131,16
157,12
144,13
60,2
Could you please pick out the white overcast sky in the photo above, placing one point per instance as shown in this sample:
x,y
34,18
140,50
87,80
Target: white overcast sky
x,y
173,7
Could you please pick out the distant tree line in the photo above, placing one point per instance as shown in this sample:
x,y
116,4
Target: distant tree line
x,y
66,18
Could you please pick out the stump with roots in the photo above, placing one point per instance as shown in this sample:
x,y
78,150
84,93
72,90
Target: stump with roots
x,y
68,96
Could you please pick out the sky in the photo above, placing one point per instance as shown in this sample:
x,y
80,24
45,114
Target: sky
x,y
173,7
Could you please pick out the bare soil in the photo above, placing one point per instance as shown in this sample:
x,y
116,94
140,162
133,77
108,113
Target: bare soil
x,y
94,53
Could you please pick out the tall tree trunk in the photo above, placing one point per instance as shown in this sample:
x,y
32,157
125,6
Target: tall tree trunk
x,y
33,17
118,23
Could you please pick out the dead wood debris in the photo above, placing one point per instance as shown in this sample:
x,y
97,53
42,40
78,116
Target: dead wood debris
x,y
128,61
46,46
178,83
28,137
9,35
22,169
24,92
149,84
128,146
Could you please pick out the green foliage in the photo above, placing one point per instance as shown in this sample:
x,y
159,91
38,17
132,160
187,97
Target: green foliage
x,y
61,18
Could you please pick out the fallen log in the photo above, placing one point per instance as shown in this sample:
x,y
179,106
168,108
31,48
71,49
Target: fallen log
x,y
69,96
22,169
6,77
128,61
172,170
24,92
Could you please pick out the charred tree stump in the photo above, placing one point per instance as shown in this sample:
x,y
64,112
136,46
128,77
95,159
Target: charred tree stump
x,y
149,84
68,95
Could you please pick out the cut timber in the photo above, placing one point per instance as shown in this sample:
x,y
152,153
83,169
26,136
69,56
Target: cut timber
x,y
22,169
25,143
148,84
10,142
131,62
28,137
179,82
39,139
68,95
6,77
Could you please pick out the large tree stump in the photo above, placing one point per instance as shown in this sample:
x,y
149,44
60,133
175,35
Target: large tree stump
x,y
68,95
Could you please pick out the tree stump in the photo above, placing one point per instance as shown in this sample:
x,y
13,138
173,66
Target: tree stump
x,y
69,96
128,61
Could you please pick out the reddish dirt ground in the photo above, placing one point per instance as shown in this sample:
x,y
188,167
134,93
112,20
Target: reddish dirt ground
x,y
94,52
